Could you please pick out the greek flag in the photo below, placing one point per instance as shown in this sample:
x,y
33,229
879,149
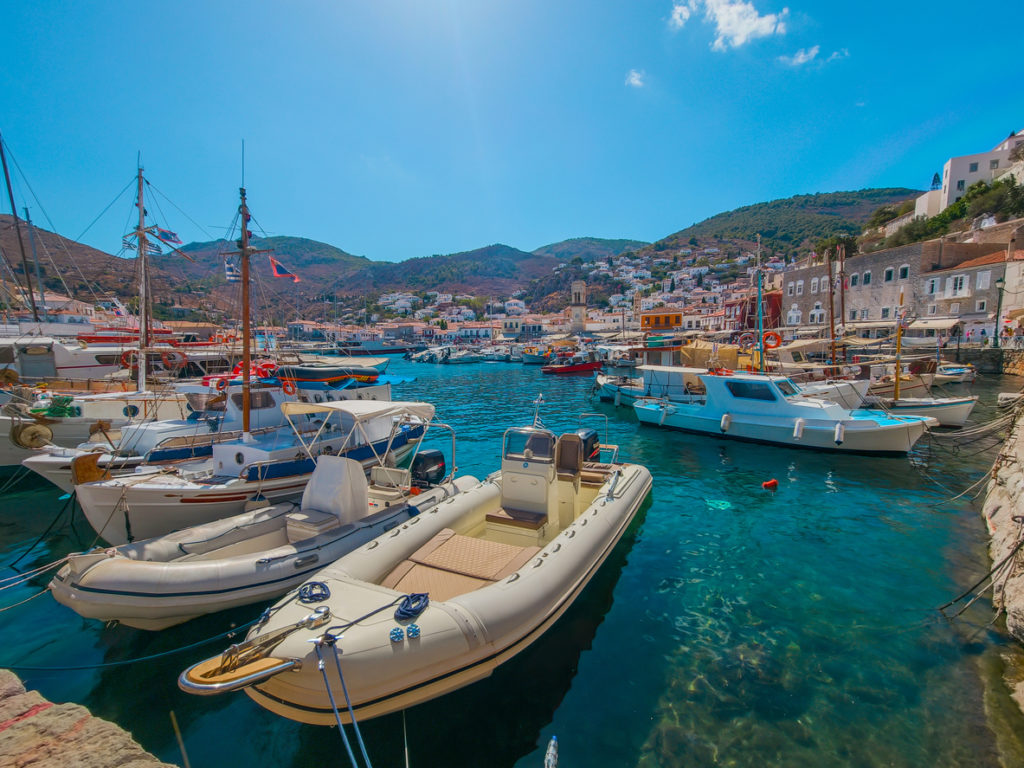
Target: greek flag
x,y
231,272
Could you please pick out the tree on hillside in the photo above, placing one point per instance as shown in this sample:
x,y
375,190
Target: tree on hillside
x,y
936,181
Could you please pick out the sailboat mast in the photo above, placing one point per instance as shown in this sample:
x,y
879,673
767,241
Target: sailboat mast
x,y
760,313
842,291
140,242
899,339
243,209
35,261
831,309
17,228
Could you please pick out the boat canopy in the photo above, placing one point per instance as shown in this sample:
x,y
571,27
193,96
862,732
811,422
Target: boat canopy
x,y
362,410
938,323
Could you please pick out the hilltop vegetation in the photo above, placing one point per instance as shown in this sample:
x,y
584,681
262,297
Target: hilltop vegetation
x,y
789,226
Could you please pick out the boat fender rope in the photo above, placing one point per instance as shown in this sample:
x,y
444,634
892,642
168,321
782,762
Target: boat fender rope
x,y
328,639
412,606
313,592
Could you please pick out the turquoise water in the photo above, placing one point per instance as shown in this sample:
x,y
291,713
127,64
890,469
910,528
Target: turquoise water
x,y
735,626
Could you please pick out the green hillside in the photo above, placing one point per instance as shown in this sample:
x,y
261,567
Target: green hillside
x,y
588,248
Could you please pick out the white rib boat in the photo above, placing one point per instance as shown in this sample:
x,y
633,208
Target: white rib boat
x,y
445,598
253,557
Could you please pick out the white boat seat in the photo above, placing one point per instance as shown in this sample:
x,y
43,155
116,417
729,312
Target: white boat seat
x,y
307,523
450,565
338,487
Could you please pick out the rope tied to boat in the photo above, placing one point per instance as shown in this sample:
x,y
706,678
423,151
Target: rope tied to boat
x,y
411,606
329,640
313,592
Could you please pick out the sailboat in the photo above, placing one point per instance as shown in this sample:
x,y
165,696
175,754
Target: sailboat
x,y
261,468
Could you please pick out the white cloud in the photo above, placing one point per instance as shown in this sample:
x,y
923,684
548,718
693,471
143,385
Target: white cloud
x,y
842,53
737,22
635,78
681,12
800,57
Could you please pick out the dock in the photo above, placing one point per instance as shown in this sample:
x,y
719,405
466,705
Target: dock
x,y
34,731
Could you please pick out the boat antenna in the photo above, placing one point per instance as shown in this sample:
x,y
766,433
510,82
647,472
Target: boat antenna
x,y
141,245
17,228
536,411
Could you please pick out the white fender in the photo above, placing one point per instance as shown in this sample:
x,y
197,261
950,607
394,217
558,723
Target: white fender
x,y
798,429
664,413
618,397
726,421
840,433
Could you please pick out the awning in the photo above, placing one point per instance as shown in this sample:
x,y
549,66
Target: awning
x,y
362,410
938,323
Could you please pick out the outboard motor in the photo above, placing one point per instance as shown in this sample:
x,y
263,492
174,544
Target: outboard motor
x,y
591,444
428,468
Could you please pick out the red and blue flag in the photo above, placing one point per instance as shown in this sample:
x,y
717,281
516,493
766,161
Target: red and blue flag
x,y
280,270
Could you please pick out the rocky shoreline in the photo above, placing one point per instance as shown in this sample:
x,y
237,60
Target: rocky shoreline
x,y
34,731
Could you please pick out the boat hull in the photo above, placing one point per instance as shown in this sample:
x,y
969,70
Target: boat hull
x,y
868,433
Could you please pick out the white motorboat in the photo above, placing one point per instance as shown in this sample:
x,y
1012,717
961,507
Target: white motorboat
x,y
443,599
954,373
215,415
256,556
262,469
949,411
770,409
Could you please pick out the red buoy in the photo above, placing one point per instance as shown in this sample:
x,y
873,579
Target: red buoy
x,y
770,485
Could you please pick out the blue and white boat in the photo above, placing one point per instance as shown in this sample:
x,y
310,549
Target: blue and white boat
x,y
770,409
257,468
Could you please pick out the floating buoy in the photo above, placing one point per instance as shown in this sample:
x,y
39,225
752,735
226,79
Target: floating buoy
x,y
725,422
770,485
798,429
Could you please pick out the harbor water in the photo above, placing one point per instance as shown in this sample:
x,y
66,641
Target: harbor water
x,y
734,626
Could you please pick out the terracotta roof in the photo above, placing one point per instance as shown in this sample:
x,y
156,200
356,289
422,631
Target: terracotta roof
x,y
997,257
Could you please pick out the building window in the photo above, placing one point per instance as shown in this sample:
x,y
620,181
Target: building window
x,y
959,285
904,271
789,289
853,314
863,314
931,309
814,285
799,287
885,313
867,278
888,275
960,186
853,280
983,280
980,305
973,168
954,308
993,164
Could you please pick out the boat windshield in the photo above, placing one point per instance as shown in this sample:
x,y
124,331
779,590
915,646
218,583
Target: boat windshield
x,y
750,390
530,444
203,402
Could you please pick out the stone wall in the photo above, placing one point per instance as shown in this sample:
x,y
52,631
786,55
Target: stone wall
x,y
1004,500
36,732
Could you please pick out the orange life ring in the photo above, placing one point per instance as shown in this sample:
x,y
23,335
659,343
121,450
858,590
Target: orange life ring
x,y
288,386
173,359
130,359
221,385
771,340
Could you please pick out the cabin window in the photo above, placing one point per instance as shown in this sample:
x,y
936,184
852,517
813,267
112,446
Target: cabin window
x,y
750,390
107,359
786,387
258,399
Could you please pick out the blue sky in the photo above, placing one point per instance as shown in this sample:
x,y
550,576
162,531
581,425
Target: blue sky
x,y
401,128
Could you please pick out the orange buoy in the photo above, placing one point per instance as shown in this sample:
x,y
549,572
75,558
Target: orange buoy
x,y
770,485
